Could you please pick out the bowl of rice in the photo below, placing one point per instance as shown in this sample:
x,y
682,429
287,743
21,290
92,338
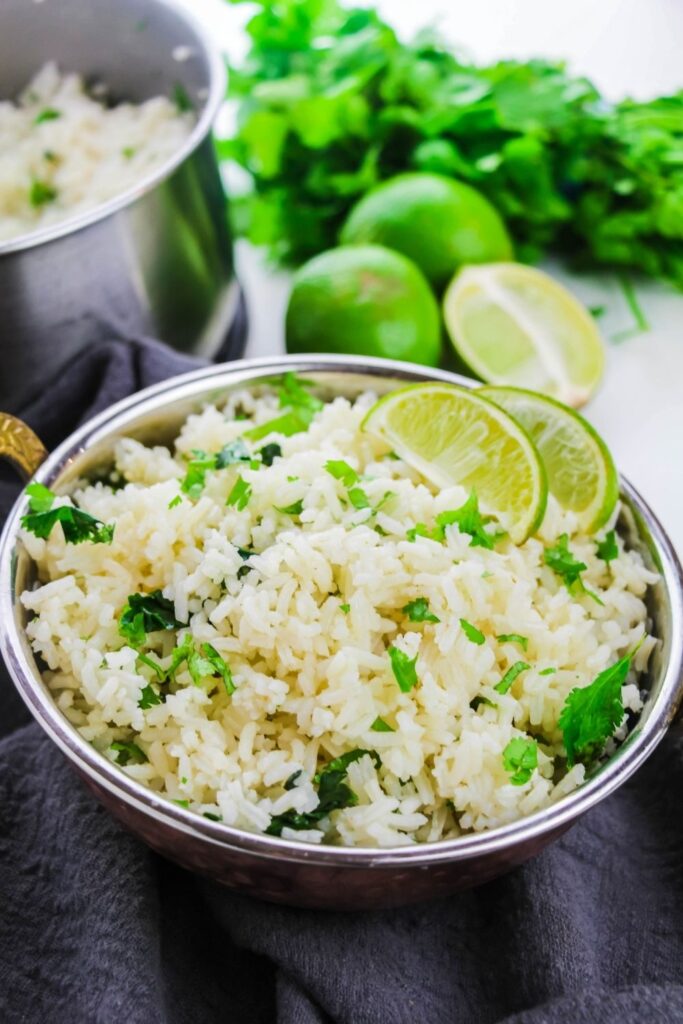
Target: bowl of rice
x,y
282,658
113,219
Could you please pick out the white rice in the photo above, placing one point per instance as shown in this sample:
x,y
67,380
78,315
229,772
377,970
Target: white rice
x,y
311,679
53,167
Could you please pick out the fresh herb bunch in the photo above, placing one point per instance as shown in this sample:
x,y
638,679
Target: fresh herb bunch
x,y
332,102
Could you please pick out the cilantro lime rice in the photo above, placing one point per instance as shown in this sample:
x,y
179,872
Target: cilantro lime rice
x,y
282,626
63,151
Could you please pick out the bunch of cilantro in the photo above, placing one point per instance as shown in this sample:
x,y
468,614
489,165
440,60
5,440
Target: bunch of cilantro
x,y
331,102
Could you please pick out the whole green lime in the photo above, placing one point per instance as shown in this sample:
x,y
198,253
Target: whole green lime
x,y
438,222
363,300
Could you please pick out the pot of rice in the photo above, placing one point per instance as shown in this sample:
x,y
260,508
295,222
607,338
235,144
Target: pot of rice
x,y
284,659
113,220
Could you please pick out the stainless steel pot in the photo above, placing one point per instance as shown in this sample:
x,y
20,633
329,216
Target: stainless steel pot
x,y
157,259
276,869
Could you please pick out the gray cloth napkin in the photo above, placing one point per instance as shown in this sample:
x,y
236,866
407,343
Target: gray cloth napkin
x,y
96,929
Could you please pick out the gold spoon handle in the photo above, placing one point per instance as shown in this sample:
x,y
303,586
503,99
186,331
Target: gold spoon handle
x,y
20,446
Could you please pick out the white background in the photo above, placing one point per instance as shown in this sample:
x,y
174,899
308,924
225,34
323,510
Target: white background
x,y
627,47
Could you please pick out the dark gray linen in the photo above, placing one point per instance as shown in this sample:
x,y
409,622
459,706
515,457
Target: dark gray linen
x,y
95,929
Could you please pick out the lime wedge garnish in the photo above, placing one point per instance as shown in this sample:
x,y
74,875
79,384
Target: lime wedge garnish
x,y
514,325
581,473
454,436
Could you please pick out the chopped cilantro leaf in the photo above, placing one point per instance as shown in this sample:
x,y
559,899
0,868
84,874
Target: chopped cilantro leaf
x,y
607,548
41,193
293,394
562,561
174,502
419,530
240,494
292,780
346,608
181,99
480,701
211,816
418,611
269,453
403,668
508,679
292,422
148,697
78,526
182,803
199,667
341,470
146,613
469,520
47,114
379,725
513,638
472,633
128,753
592,713
220,667
128,152
358,498
204,462
520,759
547,671
295,509
333,794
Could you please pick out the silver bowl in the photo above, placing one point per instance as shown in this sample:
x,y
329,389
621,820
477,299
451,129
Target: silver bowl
x,y
155,260
277,869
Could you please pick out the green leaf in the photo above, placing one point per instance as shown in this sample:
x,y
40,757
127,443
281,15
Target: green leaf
x,y
47,114
472,633
220,667
341,470
333,794
592,713
346,608
203,462
547,672
520,759
293,422
295,509
146,613
78,526
563,563
418,611
513,638
379,725
358,498
174,502
508,679
128,753
240,494
41,193
403,668
607,548
469,520
182,803
419,530
148,697
481,701
269,453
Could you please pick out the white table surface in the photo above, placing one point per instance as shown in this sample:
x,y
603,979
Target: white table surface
x,y
626,47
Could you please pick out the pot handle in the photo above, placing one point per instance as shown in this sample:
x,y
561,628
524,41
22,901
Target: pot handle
x,y
20,446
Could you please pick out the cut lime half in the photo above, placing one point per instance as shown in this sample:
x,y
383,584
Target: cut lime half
x,y
454,436
515,325
581,473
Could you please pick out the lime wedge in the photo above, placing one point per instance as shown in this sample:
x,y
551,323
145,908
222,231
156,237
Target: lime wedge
x,y
581,473
454,436
512,324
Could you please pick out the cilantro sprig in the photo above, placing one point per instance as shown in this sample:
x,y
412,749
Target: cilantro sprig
x,y
467,518
78,526
418,611
520,759
300,405
202,463
334,794
146,613
564,564
592,713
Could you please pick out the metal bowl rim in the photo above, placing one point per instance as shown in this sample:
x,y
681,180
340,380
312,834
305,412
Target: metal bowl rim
x,y
203,381
217,84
